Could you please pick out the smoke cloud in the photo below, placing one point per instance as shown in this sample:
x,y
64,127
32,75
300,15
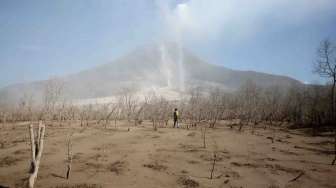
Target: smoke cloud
x,y
209,19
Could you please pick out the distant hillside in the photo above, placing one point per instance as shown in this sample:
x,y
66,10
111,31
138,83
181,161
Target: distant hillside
x,y
150,66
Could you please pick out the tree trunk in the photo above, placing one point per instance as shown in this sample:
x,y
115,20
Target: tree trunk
x,y
36,152
333,162
333,116
333,101
3,120
68,171
69,156
106,122
204,132
213,166
241,124
155,125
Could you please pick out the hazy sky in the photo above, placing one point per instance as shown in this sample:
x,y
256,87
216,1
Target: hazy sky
x,y
39,39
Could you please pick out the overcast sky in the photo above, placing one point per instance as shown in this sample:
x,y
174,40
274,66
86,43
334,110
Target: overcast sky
x,y
39,39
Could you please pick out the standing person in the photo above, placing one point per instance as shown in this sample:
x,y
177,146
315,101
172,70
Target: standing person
x,y
175,114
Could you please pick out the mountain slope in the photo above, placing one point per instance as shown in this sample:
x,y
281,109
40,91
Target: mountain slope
x,y
159,66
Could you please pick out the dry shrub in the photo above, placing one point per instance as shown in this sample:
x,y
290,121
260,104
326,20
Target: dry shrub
x,y
84,185
155,166
273,186
189,148
97,157
219,157
245,164
192,134
275,168
193,162
77,156
287,152
8,161
117,167
187,182
231,173
20,151
95,166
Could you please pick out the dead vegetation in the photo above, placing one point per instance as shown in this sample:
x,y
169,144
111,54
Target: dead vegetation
x,y
117,167
187,182
271,119
84,185
156,166
8,161
173,155
36,143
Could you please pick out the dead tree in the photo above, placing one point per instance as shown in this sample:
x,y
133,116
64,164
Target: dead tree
x,y
204,134
109,111
61,112
107,118
70,114
53,91
326,67
69,155
137,115
3,119
270,106
36,152
24,109
153,109
194,112
249,101
214,107
129,102
213,165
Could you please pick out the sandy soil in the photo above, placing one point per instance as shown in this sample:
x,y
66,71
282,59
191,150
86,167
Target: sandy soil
x,y
169,158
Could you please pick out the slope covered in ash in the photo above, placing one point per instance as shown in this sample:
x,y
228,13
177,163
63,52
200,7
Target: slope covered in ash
x,y
152,66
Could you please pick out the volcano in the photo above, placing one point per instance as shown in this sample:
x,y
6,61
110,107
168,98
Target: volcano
x,y
151,66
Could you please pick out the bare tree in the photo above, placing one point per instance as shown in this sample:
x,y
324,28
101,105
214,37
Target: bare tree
x,y
249,101
152,109
24,111
129,102
53,90
36,152
113,111
326,67
204,136
3,119
69,155
271,104
214,106
194,109
61,112
213,165
85,114
316,106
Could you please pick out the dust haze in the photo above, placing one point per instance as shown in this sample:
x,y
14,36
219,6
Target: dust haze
x,y
162,115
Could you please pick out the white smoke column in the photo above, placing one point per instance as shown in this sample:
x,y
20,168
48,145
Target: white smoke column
x,y
177,21
165,62
181,69
182,18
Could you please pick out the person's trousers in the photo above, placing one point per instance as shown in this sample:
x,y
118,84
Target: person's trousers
x,y
175,123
